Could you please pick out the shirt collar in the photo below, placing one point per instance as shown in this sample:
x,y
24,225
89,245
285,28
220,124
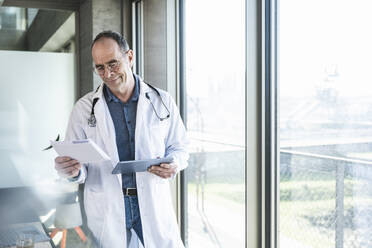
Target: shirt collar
x,y
111,97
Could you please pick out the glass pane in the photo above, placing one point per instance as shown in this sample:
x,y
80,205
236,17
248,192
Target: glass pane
x,y
37,71
26,29
215,82
325,123
12,18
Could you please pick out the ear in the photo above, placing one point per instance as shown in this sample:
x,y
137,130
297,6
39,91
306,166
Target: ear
x,y
130,55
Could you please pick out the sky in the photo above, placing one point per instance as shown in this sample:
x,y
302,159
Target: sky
x,y
320,35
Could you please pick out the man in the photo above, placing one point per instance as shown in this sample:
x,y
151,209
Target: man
x,y
129,120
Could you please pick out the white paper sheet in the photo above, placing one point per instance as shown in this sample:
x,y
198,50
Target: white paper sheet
x,y
84,151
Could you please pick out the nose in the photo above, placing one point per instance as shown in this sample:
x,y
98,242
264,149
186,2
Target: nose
x,y
107,73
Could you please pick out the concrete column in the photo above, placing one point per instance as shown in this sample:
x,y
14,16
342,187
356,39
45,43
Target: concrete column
x,y
155,42
160,60
127,21
94,17
160,44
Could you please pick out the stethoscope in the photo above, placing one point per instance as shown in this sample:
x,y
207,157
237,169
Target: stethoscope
x,y
92,119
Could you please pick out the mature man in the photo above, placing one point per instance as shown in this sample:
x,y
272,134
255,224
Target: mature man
x,y
129,120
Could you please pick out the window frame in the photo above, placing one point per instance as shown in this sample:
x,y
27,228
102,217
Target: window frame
x,y
270,115
137,34
257,153
183,112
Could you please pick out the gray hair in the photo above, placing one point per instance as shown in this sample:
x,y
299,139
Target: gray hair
x,y
122,42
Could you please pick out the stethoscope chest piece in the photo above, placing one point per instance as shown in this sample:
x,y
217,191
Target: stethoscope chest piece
x,y
92,121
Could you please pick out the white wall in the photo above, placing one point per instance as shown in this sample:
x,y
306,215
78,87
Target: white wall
x,y
36,97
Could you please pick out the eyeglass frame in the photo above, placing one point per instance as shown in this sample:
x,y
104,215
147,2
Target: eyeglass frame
x,y
112,66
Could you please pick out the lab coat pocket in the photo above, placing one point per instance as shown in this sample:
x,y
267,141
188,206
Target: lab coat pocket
x,y
94,205
157,140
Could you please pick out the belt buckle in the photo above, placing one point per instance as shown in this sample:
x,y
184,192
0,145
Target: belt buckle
x,y
127,190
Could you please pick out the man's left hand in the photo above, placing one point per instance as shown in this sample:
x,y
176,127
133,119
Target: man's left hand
x,y
164,170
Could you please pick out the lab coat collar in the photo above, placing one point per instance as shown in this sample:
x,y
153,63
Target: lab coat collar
x,y
144,88
105,126
98,93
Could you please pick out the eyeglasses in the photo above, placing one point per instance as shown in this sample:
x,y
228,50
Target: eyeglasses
x,y
112,66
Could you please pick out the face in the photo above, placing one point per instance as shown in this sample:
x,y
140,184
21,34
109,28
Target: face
x,y
112,65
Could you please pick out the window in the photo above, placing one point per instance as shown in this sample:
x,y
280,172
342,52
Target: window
x,y
215,113
325,123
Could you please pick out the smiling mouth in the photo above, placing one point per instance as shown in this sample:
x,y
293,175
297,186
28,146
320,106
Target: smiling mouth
x,y
112,80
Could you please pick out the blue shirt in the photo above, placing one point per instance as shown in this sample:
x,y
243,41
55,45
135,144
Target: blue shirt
x,y
124,118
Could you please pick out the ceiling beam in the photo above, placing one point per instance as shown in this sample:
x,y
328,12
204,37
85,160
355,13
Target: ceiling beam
x,y
45,24
44,4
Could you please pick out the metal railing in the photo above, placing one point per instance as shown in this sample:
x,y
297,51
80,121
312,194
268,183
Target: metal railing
x,y
339,164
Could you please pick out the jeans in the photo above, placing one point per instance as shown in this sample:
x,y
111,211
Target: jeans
x,y
133,217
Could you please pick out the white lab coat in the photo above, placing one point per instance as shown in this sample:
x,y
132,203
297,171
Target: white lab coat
x,y
103,197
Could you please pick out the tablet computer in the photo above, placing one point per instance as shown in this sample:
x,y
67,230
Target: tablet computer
x,y
128,167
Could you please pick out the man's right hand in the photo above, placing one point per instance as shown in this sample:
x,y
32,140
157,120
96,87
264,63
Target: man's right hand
x,y
67,167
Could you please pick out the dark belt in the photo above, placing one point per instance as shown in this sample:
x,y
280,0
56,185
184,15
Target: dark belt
x,y
130,191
